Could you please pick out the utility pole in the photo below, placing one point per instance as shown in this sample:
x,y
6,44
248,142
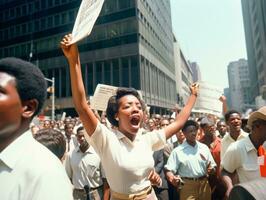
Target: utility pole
x,y
53,95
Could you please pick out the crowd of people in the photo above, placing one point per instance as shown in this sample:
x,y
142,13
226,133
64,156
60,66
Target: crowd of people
x,y
124,153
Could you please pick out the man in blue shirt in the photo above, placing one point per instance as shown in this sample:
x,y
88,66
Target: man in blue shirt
x,y
190,164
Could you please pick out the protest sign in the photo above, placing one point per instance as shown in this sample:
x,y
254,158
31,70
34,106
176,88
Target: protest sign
x,y
101,96
88,13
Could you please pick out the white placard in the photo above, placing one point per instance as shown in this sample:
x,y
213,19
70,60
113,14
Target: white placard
x,y
88,13
101,96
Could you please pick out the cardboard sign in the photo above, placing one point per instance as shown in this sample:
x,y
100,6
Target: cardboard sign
x,y
101,96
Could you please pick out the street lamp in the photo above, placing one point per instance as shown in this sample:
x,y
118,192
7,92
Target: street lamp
x,y
53,95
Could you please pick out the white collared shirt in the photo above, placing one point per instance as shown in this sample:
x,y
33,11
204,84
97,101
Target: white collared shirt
x,y
189,161
28,170
71,144
227,140
242,157
84,168
126,164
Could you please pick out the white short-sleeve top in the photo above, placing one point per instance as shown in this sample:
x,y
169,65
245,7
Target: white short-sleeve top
x,y
241,156
126,164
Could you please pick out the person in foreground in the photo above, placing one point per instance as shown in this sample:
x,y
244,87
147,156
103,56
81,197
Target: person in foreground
x,y
126,153
28,170
241,157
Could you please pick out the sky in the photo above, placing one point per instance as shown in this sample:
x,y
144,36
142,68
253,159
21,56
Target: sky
x,y
211,33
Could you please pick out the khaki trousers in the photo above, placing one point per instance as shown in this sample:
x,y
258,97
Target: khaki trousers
x,y
196,190
146,194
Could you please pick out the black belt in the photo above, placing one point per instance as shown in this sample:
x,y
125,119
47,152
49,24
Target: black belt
x,y
195,179
90,189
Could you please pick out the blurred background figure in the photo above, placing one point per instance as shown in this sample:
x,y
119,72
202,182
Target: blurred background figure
x,y
54,140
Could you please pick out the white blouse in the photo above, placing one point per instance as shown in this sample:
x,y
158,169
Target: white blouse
x,y
126,164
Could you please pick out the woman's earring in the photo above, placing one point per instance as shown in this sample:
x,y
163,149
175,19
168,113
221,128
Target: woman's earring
x,y
117,119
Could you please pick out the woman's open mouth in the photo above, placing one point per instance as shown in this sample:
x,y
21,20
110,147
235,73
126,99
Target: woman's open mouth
x,y
135,120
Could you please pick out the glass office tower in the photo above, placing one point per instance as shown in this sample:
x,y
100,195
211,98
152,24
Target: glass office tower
x,y
131,45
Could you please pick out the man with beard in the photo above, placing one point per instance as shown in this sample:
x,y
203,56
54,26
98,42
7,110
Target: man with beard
x,y
83,169
233,120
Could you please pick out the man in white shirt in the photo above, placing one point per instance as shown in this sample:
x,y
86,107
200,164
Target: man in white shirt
x,y
241,157
28,170
84,170
233,120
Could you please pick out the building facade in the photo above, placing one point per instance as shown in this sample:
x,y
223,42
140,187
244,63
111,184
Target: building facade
x,y
254,15
239,85
195,71
131,45
183,75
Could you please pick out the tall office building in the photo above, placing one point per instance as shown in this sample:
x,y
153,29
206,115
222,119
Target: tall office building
x,y
183,74
131,45
239,85
254,15
195,71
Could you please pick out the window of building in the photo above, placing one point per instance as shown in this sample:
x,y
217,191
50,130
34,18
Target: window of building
x,y
29,27
129,26
43,4
17,51
110,6
125,72
37,5
24,10
12,12
56,20
43,23
30,8
24,28
113,30
90,78
107,72
115,72
50,22
123,4
1,16
71,15
50,3
99,72
11,32
63,18
100,33
135,73
36,25
12,51
56,2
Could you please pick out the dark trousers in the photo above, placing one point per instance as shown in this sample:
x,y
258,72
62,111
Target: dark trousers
x,y
161,193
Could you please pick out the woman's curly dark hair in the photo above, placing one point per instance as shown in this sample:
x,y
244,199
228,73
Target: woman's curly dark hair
x,y
113,106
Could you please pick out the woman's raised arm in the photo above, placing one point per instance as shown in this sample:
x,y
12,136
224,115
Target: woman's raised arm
x,y
183,116
77,87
